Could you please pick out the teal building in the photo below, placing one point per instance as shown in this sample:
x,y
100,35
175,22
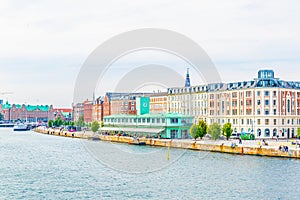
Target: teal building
x,y
167,126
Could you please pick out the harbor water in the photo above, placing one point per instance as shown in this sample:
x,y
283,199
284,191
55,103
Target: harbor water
x,y
39,166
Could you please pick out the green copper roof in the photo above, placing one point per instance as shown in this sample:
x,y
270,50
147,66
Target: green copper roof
x,y
28,107
41,108
6,106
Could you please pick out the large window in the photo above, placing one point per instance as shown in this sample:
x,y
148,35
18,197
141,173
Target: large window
x,y
258,132
174,134
274,132
267,132
174,120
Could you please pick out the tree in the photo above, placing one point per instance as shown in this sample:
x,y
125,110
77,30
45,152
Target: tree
x,y
80,121
50,123
95,126
58,122
202,129
227,130
214,130
72,123
298,131
194,131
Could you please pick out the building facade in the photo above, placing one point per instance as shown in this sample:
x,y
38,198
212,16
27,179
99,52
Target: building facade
x,y
158,102
29,113
267,106
168,126
88,111
78,110
98,110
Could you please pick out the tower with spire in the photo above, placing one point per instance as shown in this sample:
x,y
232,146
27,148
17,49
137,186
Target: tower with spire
x,y
187,79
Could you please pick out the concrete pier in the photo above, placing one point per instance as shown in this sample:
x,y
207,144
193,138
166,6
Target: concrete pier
x,y
219,146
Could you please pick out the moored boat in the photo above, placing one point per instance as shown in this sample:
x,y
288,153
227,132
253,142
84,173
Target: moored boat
x,y
21,127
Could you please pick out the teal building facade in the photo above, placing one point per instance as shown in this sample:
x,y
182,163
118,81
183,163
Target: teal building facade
x,y
166,126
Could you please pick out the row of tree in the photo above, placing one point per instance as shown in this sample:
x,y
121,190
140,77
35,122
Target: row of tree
x,y
59,122
214,130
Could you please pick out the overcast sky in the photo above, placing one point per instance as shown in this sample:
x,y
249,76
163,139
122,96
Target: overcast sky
x,y
43,44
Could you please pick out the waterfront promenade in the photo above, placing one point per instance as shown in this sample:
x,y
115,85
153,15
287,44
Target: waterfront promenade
x,y
255,147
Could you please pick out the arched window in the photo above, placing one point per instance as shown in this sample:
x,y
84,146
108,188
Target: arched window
x,y
242,130
258,132
274,132
267,132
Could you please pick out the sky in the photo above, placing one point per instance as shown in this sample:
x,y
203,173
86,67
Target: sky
x,y
43,44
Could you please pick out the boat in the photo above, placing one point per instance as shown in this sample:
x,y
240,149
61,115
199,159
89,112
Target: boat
x,y
21,127
6,125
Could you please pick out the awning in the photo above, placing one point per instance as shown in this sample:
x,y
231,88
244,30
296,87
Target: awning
x,y
135,130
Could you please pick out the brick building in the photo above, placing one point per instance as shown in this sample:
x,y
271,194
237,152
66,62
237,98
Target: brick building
x,y
29,113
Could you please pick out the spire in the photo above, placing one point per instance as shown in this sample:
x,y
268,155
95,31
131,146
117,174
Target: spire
x,y
187,79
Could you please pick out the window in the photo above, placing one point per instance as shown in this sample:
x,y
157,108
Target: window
x,y
282,122
258,111
274,132
174,134
258,132
274,102
174,120
158,120
274,111
274,93
258,102
267,132
266,93
163,120
266,102
288,105
266,121
275,121
258,93
267,112
258,121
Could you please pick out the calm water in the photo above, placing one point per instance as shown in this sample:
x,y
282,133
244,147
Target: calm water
x,y
36,166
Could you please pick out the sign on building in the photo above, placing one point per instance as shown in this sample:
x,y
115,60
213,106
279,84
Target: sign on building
x,y
143,105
